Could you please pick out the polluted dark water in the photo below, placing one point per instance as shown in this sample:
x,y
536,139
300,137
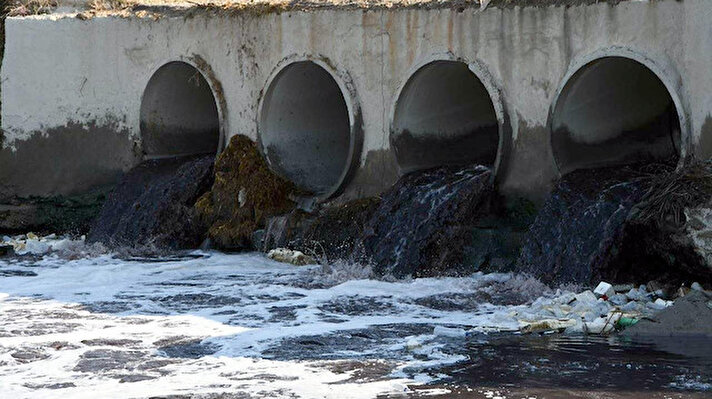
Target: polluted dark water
x,y
238,326
586,362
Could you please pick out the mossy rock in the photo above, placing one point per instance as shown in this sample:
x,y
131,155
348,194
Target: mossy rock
x,y
244,195
58,214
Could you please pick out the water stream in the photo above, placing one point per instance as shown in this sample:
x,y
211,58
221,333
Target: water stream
x,y
81,319
243,326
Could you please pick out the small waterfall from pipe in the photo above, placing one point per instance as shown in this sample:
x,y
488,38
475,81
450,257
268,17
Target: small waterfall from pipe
x,y
151,208
419,227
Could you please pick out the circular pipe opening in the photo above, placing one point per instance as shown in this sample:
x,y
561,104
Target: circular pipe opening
x,y
304,128
614,111
179,115
444,116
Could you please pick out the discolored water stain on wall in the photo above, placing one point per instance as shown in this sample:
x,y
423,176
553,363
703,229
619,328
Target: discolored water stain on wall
x,y
377,173
67,160
705,144
530,168
428,151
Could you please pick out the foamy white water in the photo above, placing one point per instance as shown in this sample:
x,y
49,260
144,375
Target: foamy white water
x,y
236,324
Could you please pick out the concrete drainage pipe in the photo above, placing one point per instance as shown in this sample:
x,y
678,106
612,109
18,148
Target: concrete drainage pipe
x,y
444,116
613,111
179,115
305,128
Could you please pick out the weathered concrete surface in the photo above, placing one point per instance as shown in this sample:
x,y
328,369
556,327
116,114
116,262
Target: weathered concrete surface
x,y
613,112
307,127
60,69
179,114
66,160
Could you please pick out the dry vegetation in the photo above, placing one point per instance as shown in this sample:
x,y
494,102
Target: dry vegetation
x,y
89,8
108,5
94,7
672,192
30,7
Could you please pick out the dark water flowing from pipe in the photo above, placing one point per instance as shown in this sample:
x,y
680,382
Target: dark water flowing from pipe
x,y
152,206
414,230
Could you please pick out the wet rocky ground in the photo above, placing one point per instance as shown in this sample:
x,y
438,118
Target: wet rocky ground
x,y
214,325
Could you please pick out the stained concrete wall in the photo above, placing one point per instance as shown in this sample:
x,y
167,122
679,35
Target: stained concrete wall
x,y
81,81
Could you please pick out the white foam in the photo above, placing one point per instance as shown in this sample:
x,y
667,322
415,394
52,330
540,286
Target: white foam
x,y
232,302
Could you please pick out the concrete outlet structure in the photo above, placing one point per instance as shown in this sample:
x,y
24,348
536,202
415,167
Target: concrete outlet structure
x,y
614,110
305,127
444,116
343,100
179,114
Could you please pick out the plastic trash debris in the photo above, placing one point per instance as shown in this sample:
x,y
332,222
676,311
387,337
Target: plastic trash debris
x,y
449,332
682,291
577,328
546,325
659,304
35,247
631,306
285,255
604,290
586,297
584,313
602,325
639,294
696,286
663,302
566,298
625,322
64,245
618,299
623,288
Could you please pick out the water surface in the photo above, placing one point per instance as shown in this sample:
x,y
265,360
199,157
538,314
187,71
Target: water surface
x,y
212,324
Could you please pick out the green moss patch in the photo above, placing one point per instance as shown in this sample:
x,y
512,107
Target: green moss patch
x,y
245,193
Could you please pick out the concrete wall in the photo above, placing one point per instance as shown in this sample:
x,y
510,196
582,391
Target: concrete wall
x,y
72,89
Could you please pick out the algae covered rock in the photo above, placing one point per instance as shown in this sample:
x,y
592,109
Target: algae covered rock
x,y
244,195
70,214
